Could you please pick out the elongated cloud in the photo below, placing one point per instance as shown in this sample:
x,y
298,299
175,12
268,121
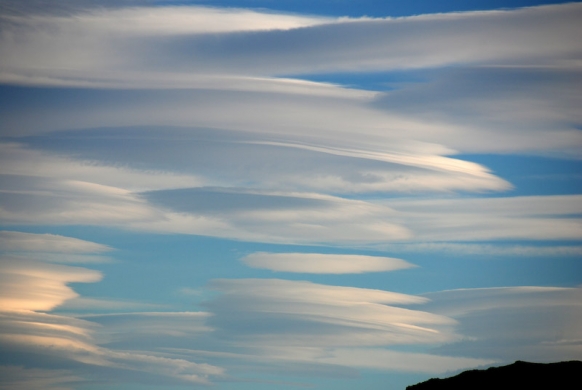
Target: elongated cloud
x,y
84,47
278,312
531,217
463,249
318,263
294,323
31,285
33,199
29,242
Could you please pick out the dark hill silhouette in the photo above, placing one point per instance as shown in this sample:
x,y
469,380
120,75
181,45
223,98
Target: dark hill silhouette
x,y
516,376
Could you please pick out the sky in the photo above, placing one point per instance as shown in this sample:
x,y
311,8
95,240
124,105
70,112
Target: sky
x,y
260,194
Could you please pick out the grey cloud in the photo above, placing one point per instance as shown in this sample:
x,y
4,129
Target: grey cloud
x,y
30,242
274,312
213,201
250,159
271,322
529,323
542,34
274,217
20,378
497,249
539,34
528,217
161,329
29,198
61,7
507,109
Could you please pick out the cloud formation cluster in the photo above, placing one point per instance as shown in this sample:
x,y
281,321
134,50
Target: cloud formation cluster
x,y
207,121
29,333
267,324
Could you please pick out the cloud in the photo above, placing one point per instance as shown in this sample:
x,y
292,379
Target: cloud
x,y
72,343
20,378
30,336
528,323
525,217
269,322
401,361
168,156
258,200
271,217
23,247
163,330
497,249
18,160
30,242
83,45
496,109
274,312
32,285
318,263
517,93
30,199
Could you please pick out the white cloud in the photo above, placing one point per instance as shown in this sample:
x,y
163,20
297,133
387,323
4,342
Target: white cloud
x,y
318,263
31,285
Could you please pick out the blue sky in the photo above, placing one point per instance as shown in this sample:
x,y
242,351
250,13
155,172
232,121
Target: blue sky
x,y
282,194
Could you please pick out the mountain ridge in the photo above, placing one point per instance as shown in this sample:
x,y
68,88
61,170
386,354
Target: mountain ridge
x,y
518,375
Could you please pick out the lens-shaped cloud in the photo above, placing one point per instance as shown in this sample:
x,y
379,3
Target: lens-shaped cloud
x,y
319,263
